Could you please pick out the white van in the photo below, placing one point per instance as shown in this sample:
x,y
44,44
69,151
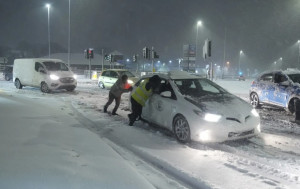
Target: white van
x,y
48,74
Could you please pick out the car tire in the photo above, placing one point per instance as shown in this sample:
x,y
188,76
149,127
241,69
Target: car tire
x,y
6,77
18,84
181,129
101,85
254,100
291,106
44,87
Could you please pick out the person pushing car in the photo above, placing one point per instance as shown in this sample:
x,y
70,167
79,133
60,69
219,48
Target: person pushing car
x,y
140,95
116,92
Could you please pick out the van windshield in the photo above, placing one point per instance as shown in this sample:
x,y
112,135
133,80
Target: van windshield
x,y
56,66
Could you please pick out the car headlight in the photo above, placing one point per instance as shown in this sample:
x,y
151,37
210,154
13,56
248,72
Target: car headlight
x,y
54,77
130,81
258,128
208,116
205,135
254,112
75,76
212,117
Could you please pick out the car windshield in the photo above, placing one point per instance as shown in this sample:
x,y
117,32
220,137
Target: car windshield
x,y
55,66
129,74
295,78
198,87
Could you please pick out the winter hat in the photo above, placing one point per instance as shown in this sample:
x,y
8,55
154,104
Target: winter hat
x,y
155,79
124,77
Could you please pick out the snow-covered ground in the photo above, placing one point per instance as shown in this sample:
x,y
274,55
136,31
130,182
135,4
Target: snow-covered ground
x,y
271,160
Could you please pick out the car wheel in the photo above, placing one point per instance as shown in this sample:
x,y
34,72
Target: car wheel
x,y
291,106
254,100
7,78
44,87
181,129
18,84
101,85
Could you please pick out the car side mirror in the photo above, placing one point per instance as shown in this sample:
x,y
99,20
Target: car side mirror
x,y
285,83
42,71
166,94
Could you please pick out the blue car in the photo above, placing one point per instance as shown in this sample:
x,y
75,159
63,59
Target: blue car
x,y
279,88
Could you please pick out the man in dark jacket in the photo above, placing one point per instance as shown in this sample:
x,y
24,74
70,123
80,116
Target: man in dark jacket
x,y
116,92
140,95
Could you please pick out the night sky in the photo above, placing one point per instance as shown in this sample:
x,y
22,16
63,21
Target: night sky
x,y
264,29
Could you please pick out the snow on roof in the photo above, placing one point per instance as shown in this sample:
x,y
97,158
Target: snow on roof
x,y
291,71
181,75
175,75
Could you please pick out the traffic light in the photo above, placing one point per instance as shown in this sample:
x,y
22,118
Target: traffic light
x,y
154,55
110,58
106,57
134,58
146,53
145,49
209,49
90,53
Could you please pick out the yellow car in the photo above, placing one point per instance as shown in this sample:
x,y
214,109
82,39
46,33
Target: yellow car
x,y
110,76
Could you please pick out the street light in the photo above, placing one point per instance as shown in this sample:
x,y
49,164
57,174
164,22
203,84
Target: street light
x,y
69,40
299,52
199,23
241,52
48,7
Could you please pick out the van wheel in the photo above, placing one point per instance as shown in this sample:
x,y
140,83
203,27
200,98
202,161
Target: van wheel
x,y
181,129
101,85
45,88
18,84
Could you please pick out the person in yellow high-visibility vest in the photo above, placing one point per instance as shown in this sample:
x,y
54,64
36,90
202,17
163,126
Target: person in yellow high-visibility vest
x,y
140,95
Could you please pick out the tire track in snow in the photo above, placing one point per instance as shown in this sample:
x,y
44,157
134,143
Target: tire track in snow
x,y
170,171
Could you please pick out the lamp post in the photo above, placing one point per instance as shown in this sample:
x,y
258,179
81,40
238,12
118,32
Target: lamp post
x,y
48,7
69,40
241,52
299,53
199,23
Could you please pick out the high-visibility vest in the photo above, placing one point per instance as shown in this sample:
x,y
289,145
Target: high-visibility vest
x,y
140,94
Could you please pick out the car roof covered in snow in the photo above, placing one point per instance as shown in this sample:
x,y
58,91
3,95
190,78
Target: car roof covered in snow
x,y
174,75
41,59
291,71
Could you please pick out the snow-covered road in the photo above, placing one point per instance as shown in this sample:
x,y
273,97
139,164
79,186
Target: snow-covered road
x,y
271,160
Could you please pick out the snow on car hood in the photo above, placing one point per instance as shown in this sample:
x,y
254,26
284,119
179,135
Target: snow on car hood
x,y
224,104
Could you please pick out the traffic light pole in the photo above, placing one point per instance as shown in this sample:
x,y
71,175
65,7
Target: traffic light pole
x,y
152,51
90,67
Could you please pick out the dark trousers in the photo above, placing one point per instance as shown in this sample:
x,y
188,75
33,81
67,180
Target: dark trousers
x,y
111,98
136,109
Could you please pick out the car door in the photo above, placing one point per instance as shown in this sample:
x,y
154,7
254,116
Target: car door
x,y
103,77
38,74
161,107
110,78
281,95
265,88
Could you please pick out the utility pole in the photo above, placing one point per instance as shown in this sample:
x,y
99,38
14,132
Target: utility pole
x,y
224,58
69,41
